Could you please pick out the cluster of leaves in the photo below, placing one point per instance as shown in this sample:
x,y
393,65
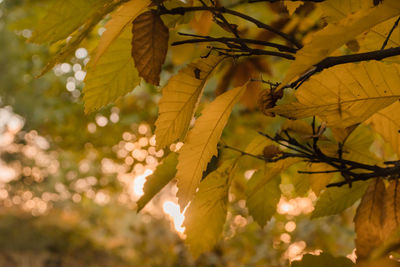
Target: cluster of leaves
x,y
340,90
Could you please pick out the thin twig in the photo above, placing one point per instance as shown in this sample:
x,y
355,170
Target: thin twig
x,y
390,33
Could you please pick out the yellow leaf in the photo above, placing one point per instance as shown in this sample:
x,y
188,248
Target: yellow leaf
x,y
164,173
387,123
257,144
336,199
262,200
120,19
180,99
346,94
335,10
319,181
206,215
201,143
333,36
63,18
149,45
70,45
292,6
375,37
357,145
113,76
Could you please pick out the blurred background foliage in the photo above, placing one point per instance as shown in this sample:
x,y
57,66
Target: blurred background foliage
x,y
69,181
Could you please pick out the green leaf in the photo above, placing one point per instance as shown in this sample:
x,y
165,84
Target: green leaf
x,y
206,215
336,199
63,18
325,260
163,174
113,76
262,200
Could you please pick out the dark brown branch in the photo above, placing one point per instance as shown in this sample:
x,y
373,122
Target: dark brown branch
x,y
373,55
338,60
227,40
273,1
259,24
390,33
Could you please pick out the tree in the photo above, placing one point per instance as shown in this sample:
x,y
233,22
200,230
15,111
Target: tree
x,y
330,118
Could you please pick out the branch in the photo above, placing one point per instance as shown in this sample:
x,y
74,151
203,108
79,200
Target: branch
x,y
390,33
259,24
227,40
273,1
338,60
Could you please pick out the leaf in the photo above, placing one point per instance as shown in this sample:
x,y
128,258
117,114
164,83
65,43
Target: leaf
x,y
206,215
357,146
262,200
63,18
257,145
375,37
369,219
71,44
120,19
336,10
180,99
324,259
346,94
113,76
163,174
387,123
318,181
336,199
392,210
292,6
149,45
333,36
201,143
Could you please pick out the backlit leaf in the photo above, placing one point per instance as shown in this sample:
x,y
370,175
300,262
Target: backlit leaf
x,y
346,94
336,10
179,100
120,19
164,173
63,18
333,36
387,123
69,45
262,200
149,45
113,76
201,143
206,214
336,199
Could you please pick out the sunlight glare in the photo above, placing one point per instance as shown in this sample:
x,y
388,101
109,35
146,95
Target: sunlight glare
x,y
172,209
139,181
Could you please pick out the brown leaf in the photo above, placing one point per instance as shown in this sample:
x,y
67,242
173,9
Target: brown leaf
x,y
369,219
271,151
392,208
149,45
268,100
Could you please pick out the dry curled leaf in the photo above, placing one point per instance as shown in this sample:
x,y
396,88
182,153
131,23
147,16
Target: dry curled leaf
x,y
267,100
271,151
149,45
